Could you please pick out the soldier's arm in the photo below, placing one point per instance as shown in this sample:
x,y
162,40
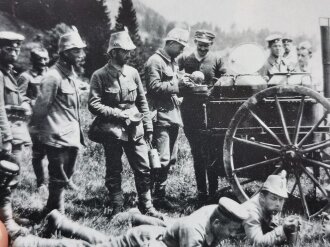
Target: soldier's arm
x,y
142,104
4,123
254,232
219,68
154,82
180,61
23,83
95,104
49,87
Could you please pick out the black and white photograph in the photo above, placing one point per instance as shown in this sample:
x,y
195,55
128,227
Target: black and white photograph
x,y
153,123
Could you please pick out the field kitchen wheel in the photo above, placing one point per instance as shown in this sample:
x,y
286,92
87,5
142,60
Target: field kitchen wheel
x,y
296,140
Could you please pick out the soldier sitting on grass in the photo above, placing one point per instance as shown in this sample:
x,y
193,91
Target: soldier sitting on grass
x,y
261,227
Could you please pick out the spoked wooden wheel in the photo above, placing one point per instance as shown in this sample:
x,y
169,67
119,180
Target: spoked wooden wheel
x,y
281,128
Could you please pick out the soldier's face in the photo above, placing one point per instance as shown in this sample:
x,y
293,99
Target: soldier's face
x,y
276,49
271,203
40,61
175,49
122,56
75,56
9,54
202,48
303,57
287,47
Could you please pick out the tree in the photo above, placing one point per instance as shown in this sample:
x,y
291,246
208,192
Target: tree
x,y
127,18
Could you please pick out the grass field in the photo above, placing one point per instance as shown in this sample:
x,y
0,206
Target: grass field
x,y
88,206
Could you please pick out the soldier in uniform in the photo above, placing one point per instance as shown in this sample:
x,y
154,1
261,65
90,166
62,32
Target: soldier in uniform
x,y
56,117
212,66
262,225
17,105
29,83
290,53
116,95
275,62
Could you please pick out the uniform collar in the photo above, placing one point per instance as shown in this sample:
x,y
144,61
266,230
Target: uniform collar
x,y
66,69
114,70
9,68
209,237
161,52
198,57
36,73
272,60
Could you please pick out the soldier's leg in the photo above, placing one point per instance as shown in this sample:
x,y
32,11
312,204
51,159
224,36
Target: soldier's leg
x,y
199,163
113,151
38,155
174,138
34,241
137,155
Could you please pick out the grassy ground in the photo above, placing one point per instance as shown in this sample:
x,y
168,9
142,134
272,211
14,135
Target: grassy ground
x,y
89,205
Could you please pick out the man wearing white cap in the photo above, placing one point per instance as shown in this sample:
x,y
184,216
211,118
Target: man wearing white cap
x,y
116,98
275,62
212,66
290,53
29,83
162,83
56,117
261,226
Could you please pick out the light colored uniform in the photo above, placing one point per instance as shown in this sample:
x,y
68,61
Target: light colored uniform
x,y
274,65
259,227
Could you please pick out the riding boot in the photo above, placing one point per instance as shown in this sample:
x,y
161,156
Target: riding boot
x,y
33,241
39,171
6,215
146,207
117,203
56,197
159,198
67,228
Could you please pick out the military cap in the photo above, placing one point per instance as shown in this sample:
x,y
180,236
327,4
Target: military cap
x,y
232,209
276,184
7,35
70,40
287,39
179,35
274,38
39,52
204,36
121,40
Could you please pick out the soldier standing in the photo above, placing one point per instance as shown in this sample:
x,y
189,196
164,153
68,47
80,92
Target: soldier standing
x,y
29,84
212,66
56,117
117,95
162,83
16,104
275,62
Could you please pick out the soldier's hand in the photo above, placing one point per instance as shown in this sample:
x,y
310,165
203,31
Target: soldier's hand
x,y
291,224
123,115
185,81
148,137
7,147
27,108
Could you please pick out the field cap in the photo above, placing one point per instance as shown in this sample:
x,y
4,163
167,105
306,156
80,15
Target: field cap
x,y
204,36
121,40
276,184
70,40
179,35
274,38
39,52
8,35
287,39
232,209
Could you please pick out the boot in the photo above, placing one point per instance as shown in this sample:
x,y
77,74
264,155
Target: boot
x,y
146,207
6,216
39,171
58,222
117,203
159,198
33,241
138,219
56,197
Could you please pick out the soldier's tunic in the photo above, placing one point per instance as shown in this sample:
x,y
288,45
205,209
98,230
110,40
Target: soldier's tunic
x,y
291,58
274,65
259,227
4,123
192,112
113,90
162,89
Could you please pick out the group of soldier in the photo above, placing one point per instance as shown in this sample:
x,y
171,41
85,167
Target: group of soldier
x,y
43,103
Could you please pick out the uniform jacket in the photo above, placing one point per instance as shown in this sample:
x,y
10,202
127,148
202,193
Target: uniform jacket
x,y
14,97
258,227
162,88
113,90
29,84
192,231
4,123
274,66
56,112
211,65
